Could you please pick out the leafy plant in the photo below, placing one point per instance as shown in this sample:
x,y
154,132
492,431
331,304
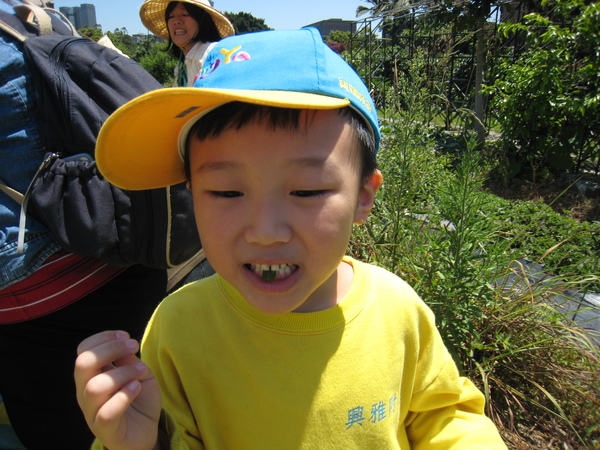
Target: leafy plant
x,y
533,230
158,63
510,329
547,102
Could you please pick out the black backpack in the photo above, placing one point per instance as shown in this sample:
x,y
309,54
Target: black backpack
x,y
78,84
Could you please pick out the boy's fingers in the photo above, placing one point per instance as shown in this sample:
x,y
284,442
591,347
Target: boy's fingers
x,y
126,360
115,406
110,393
104,386
101,338
108,376
106,420
99,359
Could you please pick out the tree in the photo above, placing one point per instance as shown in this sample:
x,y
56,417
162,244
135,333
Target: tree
x,y
157,62
340,36
389,11
122,41
382,8
244,22
469,16
93,33
463,16
339,41
548,101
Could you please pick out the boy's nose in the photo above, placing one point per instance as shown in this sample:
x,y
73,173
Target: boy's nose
x,y
268,226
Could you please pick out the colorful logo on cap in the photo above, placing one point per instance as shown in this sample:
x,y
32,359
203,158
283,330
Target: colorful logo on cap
x,y
234,55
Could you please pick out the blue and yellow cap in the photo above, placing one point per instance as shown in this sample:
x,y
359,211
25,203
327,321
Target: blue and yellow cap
x,y
140,144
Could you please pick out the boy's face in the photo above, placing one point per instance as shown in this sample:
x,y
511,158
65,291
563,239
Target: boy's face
x,y
281,201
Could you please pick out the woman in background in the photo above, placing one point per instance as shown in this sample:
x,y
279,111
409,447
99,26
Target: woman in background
x,y
191,27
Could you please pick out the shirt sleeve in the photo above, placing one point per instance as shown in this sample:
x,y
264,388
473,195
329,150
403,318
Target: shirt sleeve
x,y
177,427
442,419
446,410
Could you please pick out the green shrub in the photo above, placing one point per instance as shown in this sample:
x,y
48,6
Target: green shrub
x,y
457,245
566,247
547,101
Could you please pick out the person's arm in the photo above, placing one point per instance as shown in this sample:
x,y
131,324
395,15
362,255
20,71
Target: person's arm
x,y
117,392
445,418
446,410
179,426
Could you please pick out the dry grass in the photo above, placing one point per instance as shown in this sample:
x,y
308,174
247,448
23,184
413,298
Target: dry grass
x,y
540,370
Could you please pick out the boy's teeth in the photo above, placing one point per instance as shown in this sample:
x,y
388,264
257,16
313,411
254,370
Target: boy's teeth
x,y
269,272
265,267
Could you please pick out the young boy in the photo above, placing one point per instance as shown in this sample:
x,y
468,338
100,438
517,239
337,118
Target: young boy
x,y
291,344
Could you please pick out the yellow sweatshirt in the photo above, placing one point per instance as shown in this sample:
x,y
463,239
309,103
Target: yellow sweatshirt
x,y
370,373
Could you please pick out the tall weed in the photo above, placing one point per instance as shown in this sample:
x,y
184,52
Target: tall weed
x,y
539,369
435,227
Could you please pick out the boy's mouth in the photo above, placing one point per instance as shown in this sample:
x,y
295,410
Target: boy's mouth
x,y
274,272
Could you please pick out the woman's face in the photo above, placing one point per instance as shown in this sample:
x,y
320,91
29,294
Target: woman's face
x,y
183,28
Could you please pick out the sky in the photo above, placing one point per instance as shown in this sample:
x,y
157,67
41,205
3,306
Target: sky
x,y
277,14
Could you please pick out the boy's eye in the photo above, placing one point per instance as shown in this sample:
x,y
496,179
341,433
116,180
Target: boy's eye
x,y
316,193
225,194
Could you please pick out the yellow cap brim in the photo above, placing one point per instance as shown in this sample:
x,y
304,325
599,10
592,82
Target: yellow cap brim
x,y
137,147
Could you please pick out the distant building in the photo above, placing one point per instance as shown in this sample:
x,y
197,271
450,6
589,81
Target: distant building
x,y
325,27
69,13
83,16
514,11
140,37
87,16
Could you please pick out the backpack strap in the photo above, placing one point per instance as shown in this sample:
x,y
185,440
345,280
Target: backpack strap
x,y
15,195
24,199
40,17
64,19
33,14
21,200
178,273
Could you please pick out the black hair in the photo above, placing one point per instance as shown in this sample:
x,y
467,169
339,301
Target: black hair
x,y
235,115
207,30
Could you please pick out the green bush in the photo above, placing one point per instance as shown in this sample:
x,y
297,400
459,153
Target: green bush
x,y
458,246
547,102
533,230
158,63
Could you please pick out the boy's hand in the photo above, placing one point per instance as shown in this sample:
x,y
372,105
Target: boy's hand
x,y
117,392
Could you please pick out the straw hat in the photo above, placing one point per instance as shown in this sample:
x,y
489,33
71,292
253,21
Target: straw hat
x,y
152,13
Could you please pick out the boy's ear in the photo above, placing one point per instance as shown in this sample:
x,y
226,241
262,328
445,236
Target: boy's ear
x,y
366,197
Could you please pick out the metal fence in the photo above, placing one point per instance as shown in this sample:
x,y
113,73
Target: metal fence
x,y
381,58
